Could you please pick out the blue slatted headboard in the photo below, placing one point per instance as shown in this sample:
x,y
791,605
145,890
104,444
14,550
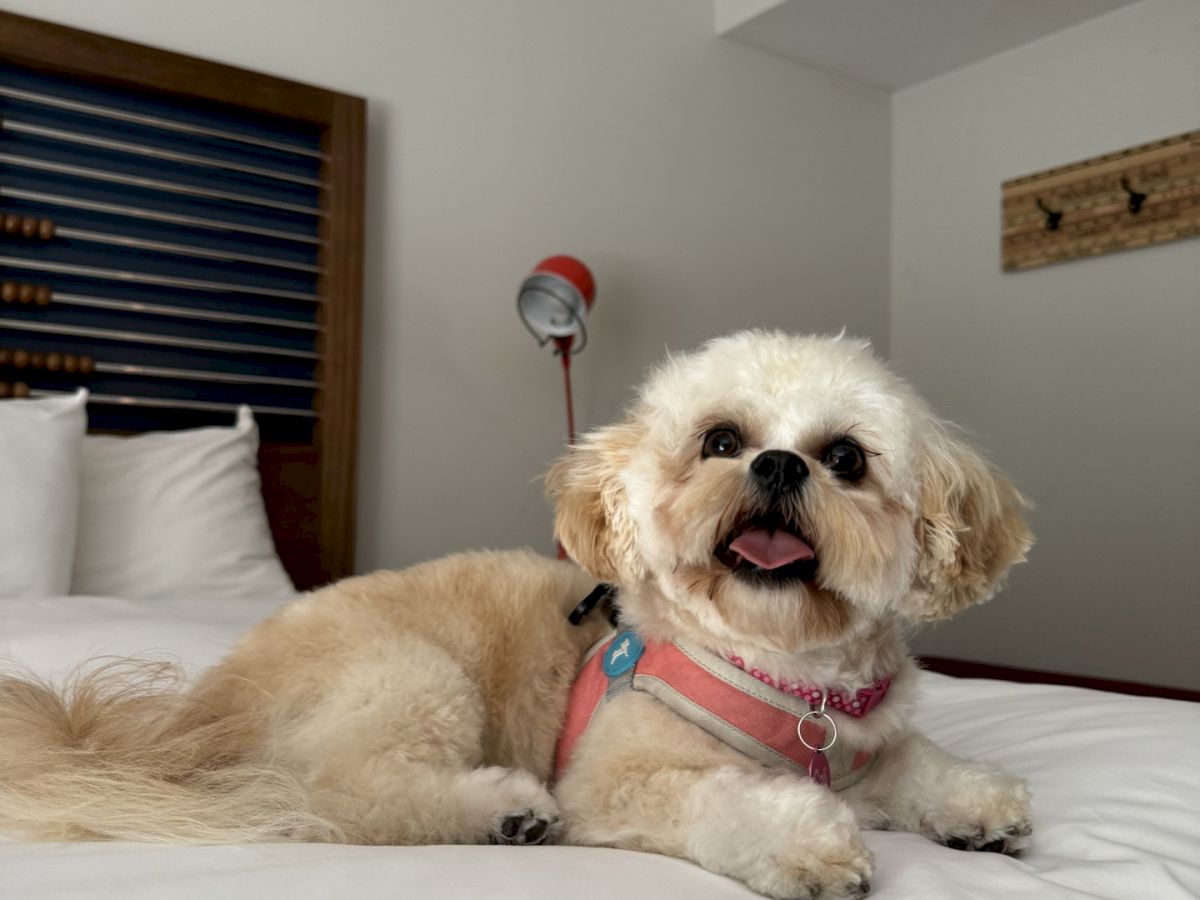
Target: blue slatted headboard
x,y
182,253
183,237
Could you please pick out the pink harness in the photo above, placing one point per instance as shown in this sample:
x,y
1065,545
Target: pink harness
x,y
778,724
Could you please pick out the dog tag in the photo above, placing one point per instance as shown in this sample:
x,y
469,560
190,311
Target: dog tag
x,y
818,740
623,653
818,769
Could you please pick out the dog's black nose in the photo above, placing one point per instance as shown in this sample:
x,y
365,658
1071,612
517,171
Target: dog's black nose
x,y
779,472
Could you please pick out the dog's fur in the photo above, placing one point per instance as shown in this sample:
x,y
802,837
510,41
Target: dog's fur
x,y
423,706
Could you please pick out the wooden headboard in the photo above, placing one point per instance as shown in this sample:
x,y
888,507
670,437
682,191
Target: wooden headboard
x,y
182,236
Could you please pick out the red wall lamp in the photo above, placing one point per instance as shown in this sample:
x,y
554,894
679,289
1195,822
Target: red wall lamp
x,y
553,302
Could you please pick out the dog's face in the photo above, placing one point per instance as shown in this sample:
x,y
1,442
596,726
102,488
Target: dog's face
x,y
785,492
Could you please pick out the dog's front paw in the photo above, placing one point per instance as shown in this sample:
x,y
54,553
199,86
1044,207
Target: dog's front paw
x,y
796,840
515,808
836,867
522,827
984,809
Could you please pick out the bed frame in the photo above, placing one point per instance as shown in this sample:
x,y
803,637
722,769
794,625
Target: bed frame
x,y
308,472
965,668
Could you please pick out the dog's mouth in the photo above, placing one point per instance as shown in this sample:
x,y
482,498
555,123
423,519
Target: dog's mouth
x,y
768,550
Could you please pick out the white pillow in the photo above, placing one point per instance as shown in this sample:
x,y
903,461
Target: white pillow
x,y
176,513
39,492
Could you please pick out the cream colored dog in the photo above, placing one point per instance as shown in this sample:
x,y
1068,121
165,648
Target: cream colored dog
x,y
783,502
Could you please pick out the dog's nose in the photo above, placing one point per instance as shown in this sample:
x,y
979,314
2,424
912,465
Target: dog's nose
x,y
779,472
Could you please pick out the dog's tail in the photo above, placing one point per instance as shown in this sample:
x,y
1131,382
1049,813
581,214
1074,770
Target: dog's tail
x,y
121,753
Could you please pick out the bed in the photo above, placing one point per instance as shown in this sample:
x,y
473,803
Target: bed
x,y
1116,783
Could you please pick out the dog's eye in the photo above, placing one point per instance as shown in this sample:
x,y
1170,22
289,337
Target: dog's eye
x,y
846,460
722,442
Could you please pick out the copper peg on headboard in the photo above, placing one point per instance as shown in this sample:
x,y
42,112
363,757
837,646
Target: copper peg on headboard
x,y
17,389
71,363
29,227
17,292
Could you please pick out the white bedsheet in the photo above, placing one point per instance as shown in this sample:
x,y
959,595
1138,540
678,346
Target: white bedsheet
x,y
1116,784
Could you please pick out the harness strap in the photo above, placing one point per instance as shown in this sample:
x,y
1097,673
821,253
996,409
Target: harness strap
x,y
711,693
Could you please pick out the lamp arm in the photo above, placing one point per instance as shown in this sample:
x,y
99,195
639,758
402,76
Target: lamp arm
x,y
563,351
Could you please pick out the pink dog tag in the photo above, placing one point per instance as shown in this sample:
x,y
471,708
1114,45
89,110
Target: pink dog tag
x,y
818,740
818,769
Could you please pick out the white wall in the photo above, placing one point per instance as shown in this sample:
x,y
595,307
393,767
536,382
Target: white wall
x,y
1083,379
709,186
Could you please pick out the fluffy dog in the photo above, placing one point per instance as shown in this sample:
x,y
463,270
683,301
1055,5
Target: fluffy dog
x,y
782,508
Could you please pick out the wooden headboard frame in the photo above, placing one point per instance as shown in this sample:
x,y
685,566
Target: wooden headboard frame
x,y
309,488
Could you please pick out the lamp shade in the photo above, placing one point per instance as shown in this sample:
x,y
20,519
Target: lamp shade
x,y
555,298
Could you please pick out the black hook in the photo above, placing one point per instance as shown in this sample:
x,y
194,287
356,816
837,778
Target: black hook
x,y
1052,218
1136,198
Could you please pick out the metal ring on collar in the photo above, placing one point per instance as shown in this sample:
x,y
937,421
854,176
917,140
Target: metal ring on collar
x,y
831,732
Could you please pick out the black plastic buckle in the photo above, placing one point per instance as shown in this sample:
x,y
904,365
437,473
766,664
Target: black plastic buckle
x,y
601,593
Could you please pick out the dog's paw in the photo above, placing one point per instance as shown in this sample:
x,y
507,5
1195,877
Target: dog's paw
x,y
522,827
1011,841
822,857
848,885
986,810
840,871
519,808
784,837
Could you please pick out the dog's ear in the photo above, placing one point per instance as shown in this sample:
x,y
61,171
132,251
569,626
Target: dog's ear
x,y
591,515
971,529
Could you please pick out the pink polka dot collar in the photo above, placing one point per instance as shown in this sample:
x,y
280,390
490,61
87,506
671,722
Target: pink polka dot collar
x,y
857,704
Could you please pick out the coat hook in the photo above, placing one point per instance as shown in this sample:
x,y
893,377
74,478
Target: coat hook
x,y
1136,198
1052,218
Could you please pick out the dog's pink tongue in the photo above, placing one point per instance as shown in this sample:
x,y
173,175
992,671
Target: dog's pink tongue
x,y
770,549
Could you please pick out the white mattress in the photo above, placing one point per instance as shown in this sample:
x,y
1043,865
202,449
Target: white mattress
x,y
1116,784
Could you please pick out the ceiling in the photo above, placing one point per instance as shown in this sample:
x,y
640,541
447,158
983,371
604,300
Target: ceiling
x,y
892,44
